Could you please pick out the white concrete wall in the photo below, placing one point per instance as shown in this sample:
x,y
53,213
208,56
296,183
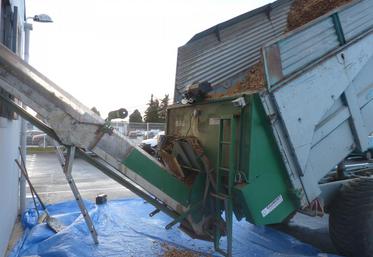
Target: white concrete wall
x,y
9,142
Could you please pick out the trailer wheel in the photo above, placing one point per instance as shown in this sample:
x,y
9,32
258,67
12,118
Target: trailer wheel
x,y
351,219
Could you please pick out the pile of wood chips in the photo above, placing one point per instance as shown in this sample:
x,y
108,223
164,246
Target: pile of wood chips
x,y
253,82
304,11
301,12
170,251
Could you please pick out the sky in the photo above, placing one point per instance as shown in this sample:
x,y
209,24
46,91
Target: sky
x,y
116,53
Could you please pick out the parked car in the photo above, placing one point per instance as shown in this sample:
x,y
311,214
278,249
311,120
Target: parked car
x,y
150,145
151,133
30,134
132,134
42,140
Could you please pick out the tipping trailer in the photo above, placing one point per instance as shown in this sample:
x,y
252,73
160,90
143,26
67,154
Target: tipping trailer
x,y
260,156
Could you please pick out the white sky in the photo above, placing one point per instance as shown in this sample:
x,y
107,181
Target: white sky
x,y
116,53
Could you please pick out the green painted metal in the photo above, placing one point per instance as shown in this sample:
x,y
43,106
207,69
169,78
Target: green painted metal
x,y
265,172
184,194
218,201
231,177
224,181
338,29
205,127
249,171
183,215
158,176
259,166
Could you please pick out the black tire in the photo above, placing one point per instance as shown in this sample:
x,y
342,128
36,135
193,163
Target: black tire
x,y
351,219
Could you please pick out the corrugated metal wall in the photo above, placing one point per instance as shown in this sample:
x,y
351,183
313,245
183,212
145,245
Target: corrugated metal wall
x,y
307,46
357,19
303,47
223,53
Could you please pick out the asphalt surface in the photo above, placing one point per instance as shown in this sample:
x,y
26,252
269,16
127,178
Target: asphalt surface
x,y
311,230
49,181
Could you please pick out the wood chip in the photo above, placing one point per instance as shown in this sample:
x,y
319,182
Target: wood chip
x,y
172,164
301,12
170,251
304,11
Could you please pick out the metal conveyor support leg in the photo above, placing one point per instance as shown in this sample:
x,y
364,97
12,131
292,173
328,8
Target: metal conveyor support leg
x,y
67,165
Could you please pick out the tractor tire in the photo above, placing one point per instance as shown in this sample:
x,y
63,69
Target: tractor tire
x,y
351,219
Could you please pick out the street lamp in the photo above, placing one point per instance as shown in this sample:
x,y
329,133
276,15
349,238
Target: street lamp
x,y
43,18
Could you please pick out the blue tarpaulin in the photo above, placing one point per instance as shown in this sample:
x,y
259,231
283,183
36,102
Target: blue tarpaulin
x,y
125,229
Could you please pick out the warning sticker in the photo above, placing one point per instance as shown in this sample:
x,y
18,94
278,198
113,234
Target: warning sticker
x,y
214,121
273,205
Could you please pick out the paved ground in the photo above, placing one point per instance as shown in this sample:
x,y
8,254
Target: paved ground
x,y
50,183
312,230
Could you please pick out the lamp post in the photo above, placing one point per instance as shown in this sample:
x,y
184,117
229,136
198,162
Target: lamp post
x,y
44,18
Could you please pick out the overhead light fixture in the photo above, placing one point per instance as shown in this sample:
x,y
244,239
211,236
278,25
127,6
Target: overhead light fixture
x,y
45,18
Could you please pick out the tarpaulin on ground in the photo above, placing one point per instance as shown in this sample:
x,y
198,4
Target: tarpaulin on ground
x,y
125,229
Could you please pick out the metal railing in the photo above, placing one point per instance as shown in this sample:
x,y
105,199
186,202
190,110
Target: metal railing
x,y
134,130
142,130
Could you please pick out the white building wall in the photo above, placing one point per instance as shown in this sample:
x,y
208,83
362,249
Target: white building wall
x,y
9,142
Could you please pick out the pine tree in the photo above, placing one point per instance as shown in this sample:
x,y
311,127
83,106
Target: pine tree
x,y
163,108
135,116
152,112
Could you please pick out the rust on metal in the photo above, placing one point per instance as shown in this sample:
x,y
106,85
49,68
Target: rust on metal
x,y
273,64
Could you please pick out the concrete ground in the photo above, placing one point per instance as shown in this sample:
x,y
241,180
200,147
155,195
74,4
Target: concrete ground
x,y
49,181
15,236
311,230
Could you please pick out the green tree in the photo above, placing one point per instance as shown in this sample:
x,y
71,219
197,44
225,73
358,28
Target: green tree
x,y
135,116
152,112
163,108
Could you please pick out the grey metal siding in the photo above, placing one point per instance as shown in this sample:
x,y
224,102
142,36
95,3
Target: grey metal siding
x,y
307,46
357,19
335,74
206,57
302,47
